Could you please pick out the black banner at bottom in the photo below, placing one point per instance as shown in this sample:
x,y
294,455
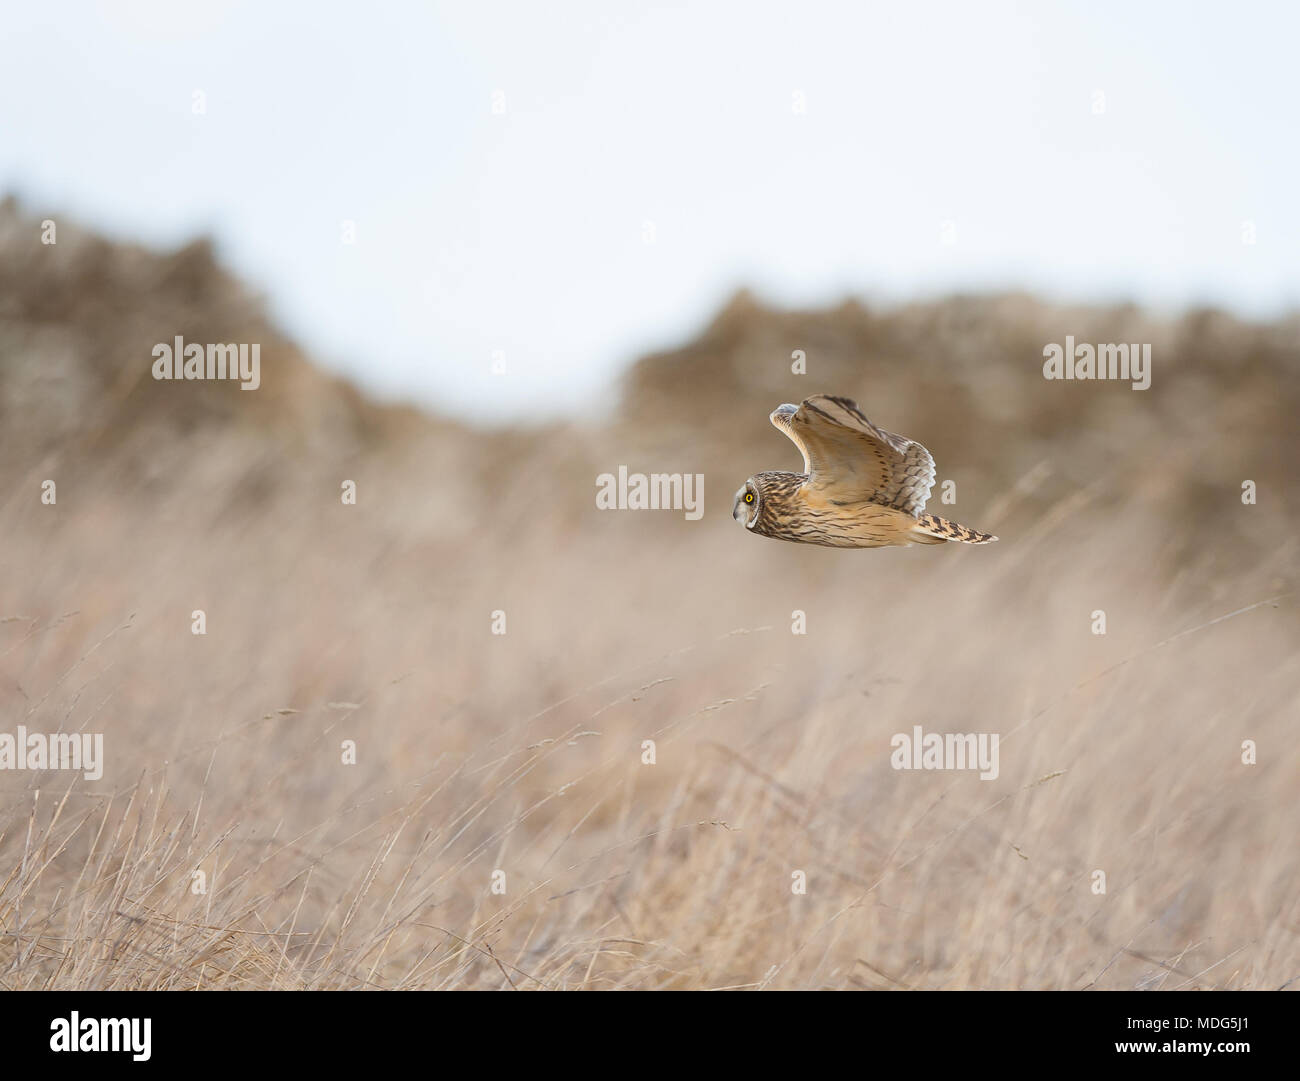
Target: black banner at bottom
x,y
341,1030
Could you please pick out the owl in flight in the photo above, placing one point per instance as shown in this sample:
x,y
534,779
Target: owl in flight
x,y
861,486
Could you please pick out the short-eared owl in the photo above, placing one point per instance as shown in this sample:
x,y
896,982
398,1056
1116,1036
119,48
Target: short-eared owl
x,y
862,487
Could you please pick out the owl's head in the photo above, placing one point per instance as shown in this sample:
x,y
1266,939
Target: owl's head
x,y
748,499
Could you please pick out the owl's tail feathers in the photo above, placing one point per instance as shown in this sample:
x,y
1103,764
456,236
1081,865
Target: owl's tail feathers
x,y
931,529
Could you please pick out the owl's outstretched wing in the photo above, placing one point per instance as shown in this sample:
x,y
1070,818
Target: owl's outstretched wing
x,y
849,460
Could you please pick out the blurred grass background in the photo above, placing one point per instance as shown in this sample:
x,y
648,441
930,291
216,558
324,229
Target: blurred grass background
x,y
522,753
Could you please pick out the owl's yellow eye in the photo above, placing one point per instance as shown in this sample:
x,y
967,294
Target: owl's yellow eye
x,y
749,497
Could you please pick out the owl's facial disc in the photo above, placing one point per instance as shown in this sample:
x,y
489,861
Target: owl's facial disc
x,y
745,508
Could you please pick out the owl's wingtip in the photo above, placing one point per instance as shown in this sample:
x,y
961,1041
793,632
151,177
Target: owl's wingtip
x,y
780,416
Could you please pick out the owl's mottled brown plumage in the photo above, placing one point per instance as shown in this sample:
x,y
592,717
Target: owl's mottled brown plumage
x,y
862,487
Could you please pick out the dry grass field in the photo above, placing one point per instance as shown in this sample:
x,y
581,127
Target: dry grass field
x,y
522,753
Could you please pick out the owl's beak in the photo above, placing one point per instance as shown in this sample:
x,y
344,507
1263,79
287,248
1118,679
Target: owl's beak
x,y
738,510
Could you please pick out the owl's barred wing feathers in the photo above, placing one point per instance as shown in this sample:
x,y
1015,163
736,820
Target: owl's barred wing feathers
x,y
930,528
850,460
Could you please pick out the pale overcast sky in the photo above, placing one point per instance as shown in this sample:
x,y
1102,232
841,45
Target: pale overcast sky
x,y
506,163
